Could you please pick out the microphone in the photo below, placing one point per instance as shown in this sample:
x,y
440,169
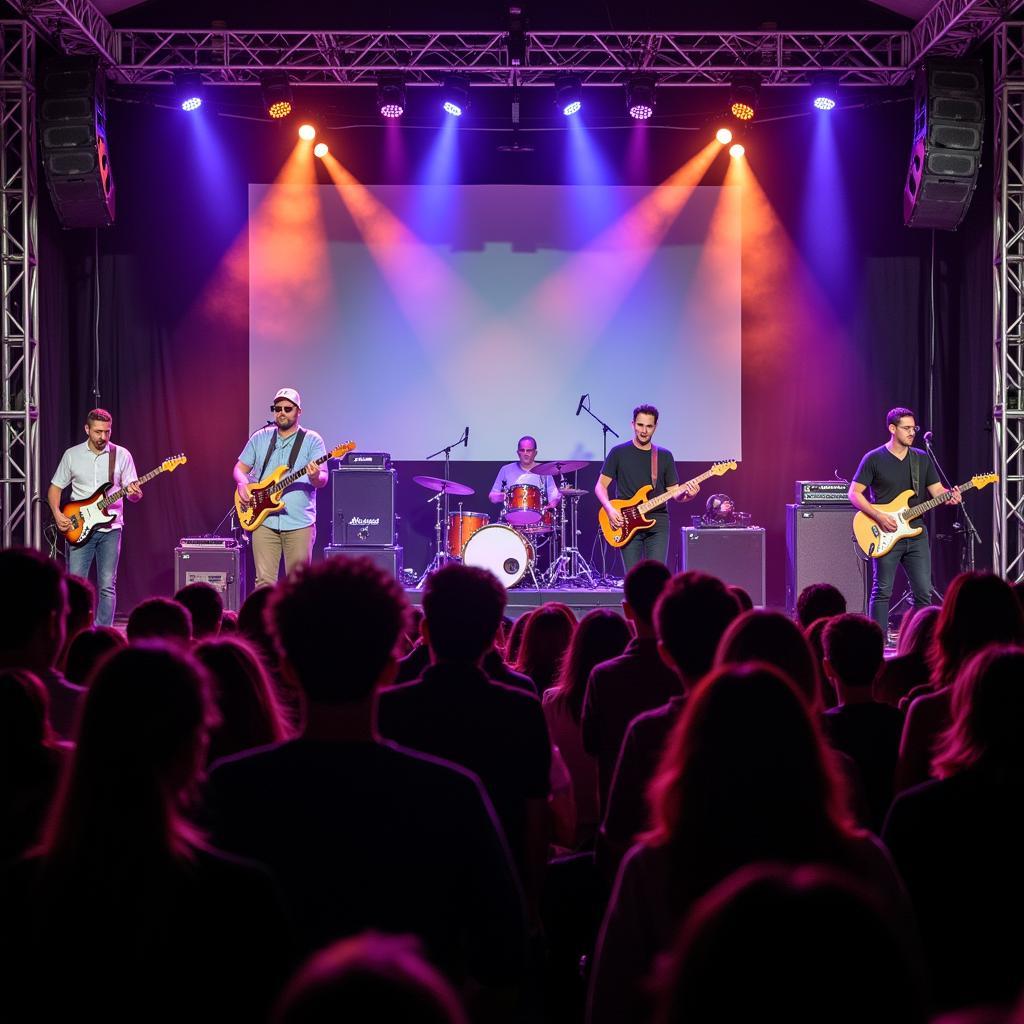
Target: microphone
x,y
927,437
580,406
466,439
268,423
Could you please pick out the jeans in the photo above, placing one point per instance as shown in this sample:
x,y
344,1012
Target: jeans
x,y
105,547
916,557
650,543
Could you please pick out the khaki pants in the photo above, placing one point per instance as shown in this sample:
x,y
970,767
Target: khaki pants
x,y
269,545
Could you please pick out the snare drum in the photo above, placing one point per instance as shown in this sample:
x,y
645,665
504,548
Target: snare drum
x,y
545,524
462,526
522,504
500,549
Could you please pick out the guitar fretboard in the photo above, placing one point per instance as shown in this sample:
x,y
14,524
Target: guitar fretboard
x,y
287,481
672,492
940,499
118,495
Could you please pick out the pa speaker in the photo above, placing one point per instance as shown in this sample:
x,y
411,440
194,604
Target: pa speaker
x,y
735,556
820,549
73,133
364,507
388,559
949,121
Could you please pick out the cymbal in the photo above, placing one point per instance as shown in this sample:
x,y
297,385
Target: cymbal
x,y
572,492
556,468
435,483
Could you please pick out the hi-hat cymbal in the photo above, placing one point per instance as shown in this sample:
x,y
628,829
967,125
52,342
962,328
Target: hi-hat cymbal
x,y
435,483
557,468
572,492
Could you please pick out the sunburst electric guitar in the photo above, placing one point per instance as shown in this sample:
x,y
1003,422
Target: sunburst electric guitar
x,y
633,510
875,542
90,513
265,497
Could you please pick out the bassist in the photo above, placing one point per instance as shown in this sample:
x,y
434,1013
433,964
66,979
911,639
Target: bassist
x,y
85,467
888,471
291,532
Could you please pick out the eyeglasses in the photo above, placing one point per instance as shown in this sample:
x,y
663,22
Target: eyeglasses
x,y
913,430
282,408
526,449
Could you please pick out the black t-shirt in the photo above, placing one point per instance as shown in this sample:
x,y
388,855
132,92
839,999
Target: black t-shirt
x,y
630,469
888,477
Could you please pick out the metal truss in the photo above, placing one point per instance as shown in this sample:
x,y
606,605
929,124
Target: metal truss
x,y
1008,303
19,318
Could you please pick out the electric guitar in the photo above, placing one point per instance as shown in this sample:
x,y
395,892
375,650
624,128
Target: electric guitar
x,y
875,542
89,514
265,497
633,509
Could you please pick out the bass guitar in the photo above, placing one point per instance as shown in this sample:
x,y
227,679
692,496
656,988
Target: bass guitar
x,y
265,497
633,509
876,543
89,514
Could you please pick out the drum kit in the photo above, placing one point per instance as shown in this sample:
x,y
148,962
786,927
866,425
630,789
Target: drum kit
x,y
512,547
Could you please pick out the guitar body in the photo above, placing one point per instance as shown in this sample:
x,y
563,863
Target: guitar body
x,y
872,539
264,500
633,520
86,516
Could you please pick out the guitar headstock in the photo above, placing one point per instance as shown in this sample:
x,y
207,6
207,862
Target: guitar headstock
x,y
171,464
984,479
342,450
721,468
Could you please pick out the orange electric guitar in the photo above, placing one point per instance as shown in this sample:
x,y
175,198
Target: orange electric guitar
x,y
633,509
89,513
265,497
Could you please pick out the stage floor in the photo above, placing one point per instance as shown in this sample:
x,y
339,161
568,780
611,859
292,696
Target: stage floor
x,y
525,599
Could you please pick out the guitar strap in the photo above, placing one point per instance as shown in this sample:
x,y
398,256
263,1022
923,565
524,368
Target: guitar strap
x,y
112,463
915,474
296,447
654,466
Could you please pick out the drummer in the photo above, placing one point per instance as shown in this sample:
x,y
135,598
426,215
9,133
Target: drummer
x,y
520,473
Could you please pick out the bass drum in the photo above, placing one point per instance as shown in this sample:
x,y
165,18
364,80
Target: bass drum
x,y
500,549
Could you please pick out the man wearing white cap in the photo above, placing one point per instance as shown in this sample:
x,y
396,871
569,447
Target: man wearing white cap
x,y
291,531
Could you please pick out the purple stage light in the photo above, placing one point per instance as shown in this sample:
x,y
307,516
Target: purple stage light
x,y
188,87
569,95
640,101
391,96
825,90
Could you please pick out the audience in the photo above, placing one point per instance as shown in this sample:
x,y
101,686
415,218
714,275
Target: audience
x,y
88,649
361,833
206,606
959,841
159,618
514,637
546,638
229,623
909,669
81,608
743,598
819,601
124,911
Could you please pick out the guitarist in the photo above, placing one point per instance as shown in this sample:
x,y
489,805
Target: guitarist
x,y
85,467
633,465
292,531
890,470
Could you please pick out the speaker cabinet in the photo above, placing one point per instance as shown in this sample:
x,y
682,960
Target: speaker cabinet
x,y
73,135
388,559
949,123
735,556
820,549
222,568
364,507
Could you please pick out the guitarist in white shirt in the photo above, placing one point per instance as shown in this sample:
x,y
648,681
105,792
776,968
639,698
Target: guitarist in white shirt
x,y
85,467
888,471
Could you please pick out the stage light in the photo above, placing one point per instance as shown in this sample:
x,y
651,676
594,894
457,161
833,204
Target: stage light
x,y
391,96
736,150
456,95
276,91
320,150
188,87
724,136
640,101
825,90
517,41
569,95
743,97
307,132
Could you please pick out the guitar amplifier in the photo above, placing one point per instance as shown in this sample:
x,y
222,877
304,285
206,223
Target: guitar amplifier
x,y
820,549
363,507
822,492
388,559
734,554
222,567
366,460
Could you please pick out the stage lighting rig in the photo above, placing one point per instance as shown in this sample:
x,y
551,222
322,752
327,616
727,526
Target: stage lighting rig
x,y
724,136
307,132
569,94
640,101
743,97
455,95
824,90
516,42
276,91
736,150
391,95
320,150
188,88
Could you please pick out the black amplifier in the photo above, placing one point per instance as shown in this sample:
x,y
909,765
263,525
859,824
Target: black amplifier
x,y
366,460
363,507
822,492
388,559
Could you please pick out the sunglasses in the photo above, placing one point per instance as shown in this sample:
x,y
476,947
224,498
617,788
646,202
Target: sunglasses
x,y
282,408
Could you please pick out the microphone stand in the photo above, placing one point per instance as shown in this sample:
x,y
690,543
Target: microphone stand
x,y
239,535
447,449
967,527
604,426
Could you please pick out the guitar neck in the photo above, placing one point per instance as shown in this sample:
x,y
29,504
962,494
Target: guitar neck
x,y
118,495
672,492
298,474
940,499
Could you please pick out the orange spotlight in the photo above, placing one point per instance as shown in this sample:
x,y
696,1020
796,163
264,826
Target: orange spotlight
x,y
724,136
736,151
320,149
307,132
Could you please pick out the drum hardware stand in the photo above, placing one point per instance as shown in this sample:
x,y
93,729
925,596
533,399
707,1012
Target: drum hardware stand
x,y
571,566
440,550
605,431
441,554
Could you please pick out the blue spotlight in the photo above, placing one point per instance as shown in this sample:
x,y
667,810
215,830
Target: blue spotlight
x,y
569,95
188,87
456,95
825,90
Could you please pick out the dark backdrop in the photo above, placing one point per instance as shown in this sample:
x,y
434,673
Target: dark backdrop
x,y
825,354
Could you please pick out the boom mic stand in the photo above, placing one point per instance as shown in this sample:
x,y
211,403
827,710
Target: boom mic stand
x,y
967,529
605,431
441,555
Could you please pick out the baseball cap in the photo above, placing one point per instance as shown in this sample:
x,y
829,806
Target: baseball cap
x,y
291,394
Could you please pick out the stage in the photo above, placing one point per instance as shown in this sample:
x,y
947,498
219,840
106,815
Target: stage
x,y
525,599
